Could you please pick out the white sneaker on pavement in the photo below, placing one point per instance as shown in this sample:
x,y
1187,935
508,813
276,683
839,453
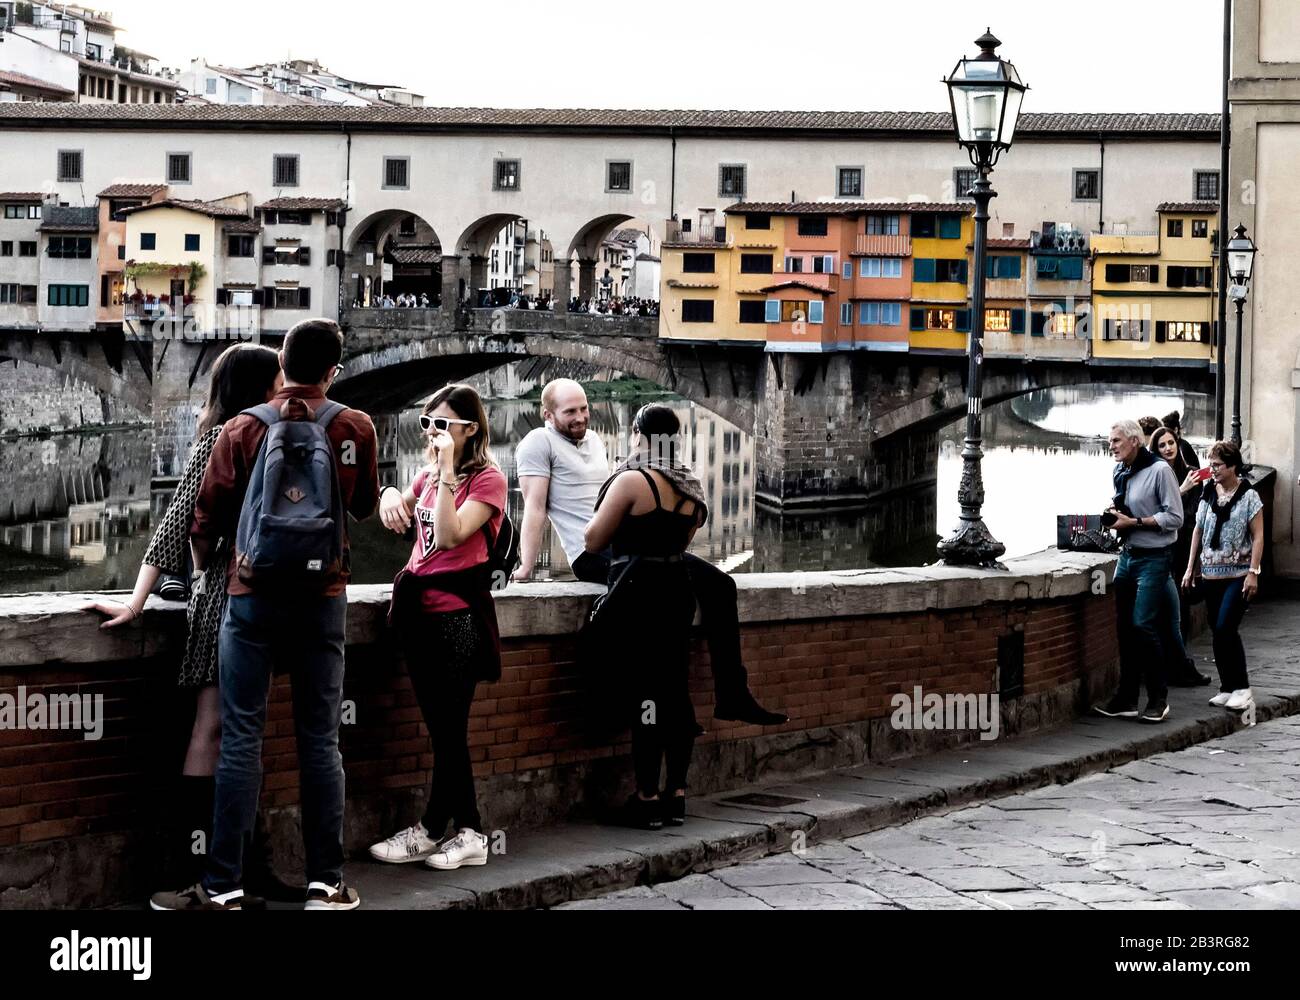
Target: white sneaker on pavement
x,y
1240,699
1221,699
411,844
466,848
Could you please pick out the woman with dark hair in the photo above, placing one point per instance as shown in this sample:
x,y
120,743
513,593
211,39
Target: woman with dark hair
x,y
243,376
647,513
1227,550
446,617
1165,445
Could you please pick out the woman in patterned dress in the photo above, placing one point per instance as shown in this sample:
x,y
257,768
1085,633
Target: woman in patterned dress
x,y
244,375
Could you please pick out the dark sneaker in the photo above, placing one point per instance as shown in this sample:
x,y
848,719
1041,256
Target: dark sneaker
x,y
324,897
1117,708
640,814
197,898
1155,712
674,809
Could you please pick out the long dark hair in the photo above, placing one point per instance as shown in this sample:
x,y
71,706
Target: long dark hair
x,y
1179,463
241,377
466,404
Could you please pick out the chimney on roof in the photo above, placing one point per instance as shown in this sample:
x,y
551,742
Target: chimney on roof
x,y
792,198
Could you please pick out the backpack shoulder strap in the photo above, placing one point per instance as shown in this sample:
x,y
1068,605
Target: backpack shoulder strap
x,y
265,412
327,411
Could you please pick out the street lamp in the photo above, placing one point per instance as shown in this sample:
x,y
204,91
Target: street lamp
x,y
985,93
1241,263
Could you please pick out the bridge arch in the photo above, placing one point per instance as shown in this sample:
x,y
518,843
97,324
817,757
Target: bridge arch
x,y
397,242
105,362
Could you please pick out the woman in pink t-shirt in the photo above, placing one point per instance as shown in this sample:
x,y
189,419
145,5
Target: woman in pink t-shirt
x,y
443,608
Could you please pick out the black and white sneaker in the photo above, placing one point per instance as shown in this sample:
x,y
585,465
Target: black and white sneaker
x,y
1117,708
321,896
1156,711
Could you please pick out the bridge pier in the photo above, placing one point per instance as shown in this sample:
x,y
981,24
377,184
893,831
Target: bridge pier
x,y
586,279
811,440
179,387
451,286
563,284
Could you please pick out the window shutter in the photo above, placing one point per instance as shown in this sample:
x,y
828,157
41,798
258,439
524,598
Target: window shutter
x,y
816,311
963,271
772,311
1017,321
1037,324
304,298
923,269
1071,268
963,320
1161,329
1117,273
257,296
268,255
830,265
950,227
918,319
1175,277
991,267
846,314
222,296
268,297
304,256
847,270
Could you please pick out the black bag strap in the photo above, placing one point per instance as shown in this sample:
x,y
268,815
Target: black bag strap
x,y
659,504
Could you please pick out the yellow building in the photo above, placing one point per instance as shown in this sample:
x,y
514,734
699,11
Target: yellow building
x,y
1153,293
940,313
172,253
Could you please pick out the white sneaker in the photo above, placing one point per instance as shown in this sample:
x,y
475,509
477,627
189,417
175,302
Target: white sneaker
x,y
1221,699
411,844
1239,700
466,848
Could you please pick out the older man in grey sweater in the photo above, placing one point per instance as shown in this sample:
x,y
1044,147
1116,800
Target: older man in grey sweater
x,y
1147,511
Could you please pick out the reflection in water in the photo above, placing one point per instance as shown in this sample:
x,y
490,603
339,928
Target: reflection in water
x,y
79,508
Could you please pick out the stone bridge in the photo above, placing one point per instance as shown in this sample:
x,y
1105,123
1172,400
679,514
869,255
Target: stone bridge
x,y
830,429
118,367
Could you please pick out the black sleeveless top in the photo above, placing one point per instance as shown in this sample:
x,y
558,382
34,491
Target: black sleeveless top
x,y
658,532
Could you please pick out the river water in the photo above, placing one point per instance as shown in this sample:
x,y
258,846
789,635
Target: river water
x,y
79,509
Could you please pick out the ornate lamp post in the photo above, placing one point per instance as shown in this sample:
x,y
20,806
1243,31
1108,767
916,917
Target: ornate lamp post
x,y
1241,263
985,93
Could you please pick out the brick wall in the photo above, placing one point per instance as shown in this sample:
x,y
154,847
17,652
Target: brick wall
x,y
536,752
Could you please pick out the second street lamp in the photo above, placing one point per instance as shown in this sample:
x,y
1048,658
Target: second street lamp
x,y
1241,264
985,93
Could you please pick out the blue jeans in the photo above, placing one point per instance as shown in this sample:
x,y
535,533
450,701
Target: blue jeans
x,y
303,637
1226,607
1145,598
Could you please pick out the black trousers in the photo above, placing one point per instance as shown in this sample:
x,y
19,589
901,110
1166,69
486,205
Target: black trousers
x,y
1227,607
715,591
440,657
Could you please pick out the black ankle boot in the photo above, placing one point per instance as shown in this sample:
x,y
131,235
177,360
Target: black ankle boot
x,y
260,878
741,706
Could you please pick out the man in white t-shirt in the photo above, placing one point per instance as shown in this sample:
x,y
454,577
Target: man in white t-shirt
x,y
561,467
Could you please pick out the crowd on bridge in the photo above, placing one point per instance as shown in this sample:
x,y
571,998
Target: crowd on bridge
x,y
630,306
259,520
1188,534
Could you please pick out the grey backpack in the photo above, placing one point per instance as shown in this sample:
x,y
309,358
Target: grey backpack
x,y
291,525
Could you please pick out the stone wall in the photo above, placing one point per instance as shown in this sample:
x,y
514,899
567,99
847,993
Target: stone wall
x,y
33,398
78,818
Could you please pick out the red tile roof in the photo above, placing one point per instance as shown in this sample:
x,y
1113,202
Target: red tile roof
x,y
22,196
692,245
302,205
844,207
131,190
395,118
202,207
1188,206
1007,243
416,255
241,226
796,283
32,83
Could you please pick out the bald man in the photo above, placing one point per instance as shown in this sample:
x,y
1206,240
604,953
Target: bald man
x,y
561,467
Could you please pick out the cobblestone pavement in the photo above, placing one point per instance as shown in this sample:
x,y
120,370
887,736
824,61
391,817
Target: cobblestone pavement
x,y
1214,826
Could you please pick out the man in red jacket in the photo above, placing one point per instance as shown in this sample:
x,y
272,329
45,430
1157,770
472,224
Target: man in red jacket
x,y
298,633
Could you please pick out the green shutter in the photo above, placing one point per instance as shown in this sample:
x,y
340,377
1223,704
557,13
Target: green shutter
x,y
950,227
963,321
1071,268
918,319
1017,321
963,271
1037,324
923,269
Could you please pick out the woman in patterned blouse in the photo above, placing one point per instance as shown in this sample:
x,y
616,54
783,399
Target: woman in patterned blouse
x,y
1227,548
244,375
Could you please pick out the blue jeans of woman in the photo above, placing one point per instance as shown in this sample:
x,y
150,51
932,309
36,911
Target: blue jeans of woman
x,y
1226,606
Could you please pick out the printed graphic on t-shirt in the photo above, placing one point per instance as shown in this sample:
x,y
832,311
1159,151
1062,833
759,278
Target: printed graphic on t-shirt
x,y
424,526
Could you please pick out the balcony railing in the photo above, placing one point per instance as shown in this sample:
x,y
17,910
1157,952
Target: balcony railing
x,y
883,246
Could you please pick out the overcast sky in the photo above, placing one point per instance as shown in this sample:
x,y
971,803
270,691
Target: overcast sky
x,y
1100,55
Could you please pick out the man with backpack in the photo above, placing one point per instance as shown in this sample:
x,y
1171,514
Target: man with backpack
x,y
281,480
